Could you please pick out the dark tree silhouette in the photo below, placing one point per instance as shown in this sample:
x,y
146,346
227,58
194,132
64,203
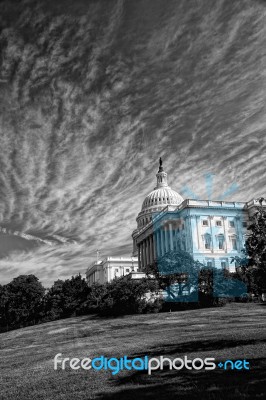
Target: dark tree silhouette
x,y
21,301
252,263
177,273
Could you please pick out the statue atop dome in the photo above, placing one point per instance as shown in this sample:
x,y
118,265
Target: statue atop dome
x,y
160,165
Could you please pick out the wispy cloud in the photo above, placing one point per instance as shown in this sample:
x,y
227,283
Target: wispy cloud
x,y
91,94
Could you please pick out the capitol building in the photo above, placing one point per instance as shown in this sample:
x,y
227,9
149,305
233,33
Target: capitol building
x,y
212,232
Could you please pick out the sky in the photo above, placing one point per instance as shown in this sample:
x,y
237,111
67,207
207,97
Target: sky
x,y
93,92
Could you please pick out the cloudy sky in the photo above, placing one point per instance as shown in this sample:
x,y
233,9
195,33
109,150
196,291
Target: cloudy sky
x,y
93,92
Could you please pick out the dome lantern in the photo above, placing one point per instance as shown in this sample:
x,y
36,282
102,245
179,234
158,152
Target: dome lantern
x,y
161,176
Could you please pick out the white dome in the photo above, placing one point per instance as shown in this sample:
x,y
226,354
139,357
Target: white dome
x,y
162,196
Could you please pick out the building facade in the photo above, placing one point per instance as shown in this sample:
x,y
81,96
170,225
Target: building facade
x,y
211,231
110,268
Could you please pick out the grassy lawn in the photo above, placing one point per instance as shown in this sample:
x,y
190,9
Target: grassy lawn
x,y
235,331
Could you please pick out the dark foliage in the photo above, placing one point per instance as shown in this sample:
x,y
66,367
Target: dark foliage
x,y
24,302
65,298
127,296
252,264
21,302
176,272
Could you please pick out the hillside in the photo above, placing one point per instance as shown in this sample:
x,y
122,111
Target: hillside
x,y
236,331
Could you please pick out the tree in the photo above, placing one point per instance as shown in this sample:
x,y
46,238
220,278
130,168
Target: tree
x,y
127,296
256,245
22,299
65,298
54,301
246,272
3,308
75,292
252,263
189,281
94,298
177,273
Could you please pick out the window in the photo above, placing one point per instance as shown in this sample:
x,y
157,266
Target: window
x,y
231,224
218,223
205,222
245,224
223,264
209,264
116,270
207,240
221,241
234,247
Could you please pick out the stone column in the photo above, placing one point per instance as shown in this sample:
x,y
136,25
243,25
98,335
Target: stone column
x,y
171,236
154,246
176,237
151,250
211,229
162,241
197,218
147,251
139,262
142,255
188,233
157,243
239,234
159,248
166,239
226,239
